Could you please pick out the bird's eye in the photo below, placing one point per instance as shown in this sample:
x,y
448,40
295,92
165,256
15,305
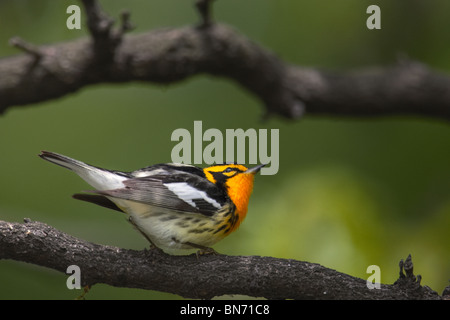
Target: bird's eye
x,y
228,170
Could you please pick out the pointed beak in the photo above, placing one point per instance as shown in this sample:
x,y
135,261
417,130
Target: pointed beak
x,y
254,170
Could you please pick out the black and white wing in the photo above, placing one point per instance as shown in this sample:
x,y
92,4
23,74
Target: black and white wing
x,y
183,193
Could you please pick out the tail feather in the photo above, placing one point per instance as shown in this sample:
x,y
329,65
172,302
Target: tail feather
x,y
63,161
97,199
100,179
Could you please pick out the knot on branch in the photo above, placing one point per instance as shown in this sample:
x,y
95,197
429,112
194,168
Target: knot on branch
x,y
408,268
26,47
106,37
409,282
204,8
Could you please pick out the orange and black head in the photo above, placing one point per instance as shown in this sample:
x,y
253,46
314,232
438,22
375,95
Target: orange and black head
x,y
237,181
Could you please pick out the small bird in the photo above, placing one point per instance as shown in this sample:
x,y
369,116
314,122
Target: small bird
x,y
174,206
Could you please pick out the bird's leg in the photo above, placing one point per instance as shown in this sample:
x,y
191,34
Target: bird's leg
x,y
152,245
203,250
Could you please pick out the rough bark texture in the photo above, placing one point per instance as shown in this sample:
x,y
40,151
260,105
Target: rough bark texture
x,y
204,277
166,56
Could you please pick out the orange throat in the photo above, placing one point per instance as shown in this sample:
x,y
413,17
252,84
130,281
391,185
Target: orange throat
x,y
239,190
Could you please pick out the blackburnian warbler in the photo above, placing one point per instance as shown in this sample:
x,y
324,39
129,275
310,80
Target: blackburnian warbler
x,y
175,206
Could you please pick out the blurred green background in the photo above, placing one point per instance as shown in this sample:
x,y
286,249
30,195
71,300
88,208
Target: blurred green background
x,y
349,193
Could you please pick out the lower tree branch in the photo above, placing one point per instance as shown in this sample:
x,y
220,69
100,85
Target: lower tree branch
x,y
191,277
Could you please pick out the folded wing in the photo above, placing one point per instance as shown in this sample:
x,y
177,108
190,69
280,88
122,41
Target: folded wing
x,y
182,196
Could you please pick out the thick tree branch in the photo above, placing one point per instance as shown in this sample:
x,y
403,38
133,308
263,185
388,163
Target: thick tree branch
x,y
167,56
192,277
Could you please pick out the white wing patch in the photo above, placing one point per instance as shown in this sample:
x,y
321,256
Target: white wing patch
x,y
187,193
148,173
